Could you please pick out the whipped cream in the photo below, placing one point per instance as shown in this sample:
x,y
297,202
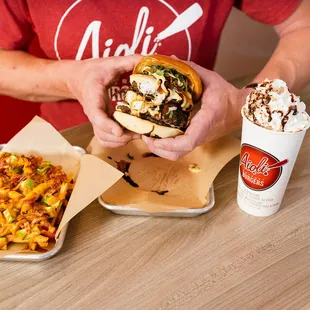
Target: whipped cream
x,y
271,105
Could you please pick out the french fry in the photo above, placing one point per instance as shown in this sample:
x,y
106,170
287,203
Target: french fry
x,y
33,196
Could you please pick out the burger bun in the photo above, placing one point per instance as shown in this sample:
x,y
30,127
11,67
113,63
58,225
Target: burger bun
x,y
178,65
145,127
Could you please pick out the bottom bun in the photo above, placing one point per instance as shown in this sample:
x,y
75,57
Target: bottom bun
x,y
145,127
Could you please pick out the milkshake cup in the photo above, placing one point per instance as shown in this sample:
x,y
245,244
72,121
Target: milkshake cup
x,y
268,153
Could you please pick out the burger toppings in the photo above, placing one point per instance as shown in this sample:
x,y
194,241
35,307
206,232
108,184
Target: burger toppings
x,y
174,96
145,84
171,76
160,100
160,95
122,107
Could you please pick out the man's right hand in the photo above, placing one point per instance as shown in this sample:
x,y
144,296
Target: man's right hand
x,y
88,82
45,80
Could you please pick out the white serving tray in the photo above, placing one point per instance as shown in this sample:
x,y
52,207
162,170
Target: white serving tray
x,y
175,213
35,257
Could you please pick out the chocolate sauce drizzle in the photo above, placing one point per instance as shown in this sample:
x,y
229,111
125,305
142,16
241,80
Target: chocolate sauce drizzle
x,y
161,192
286,117
256,96
129,156
149,154
123,166
130,181
253,85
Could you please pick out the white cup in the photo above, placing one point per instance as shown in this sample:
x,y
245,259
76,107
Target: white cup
x,y
266,162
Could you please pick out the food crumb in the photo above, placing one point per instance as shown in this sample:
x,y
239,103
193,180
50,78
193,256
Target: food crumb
x,y
194,168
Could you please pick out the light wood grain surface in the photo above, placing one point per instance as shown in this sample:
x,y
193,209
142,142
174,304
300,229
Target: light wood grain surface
x,y
224,259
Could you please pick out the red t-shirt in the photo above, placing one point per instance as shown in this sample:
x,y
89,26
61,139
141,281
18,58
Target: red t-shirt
x,y
80,29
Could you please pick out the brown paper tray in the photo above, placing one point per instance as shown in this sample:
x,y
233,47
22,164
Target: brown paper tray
x,y
35,257
123,210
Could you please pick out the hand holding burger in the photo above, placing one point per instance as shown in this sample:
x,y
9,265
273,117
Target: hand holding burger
x,y
218,116
164,92
162,95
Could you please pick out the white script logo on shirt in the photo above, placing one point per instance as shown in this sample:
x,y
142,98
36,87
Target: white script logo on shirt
x,y
143,33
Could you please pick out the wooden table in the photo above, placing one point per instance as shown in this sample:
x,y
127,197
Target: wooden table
x,y
224,259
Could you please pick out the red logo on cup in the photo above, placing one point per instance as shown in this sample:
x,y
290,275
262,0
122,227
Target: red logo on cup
x,y
259,170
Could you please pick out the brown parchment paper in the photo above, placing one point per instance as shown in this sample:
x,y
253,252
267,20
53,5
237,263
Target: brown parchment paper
x,y
186,189
92,175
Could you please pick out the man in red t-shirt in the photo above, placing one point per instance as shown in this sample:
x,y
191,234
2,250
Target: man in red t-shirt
x,y
88,45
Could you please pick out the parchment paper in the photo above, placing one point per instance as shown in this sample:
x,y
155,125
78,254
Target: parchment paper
x,y
93,176
186,189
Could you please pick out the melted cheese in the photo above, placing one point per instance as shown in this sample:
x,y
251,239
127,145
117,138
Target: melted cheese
x,y
162,79
140,105
136,103
187,101
130,96
153,85
159,98
173,95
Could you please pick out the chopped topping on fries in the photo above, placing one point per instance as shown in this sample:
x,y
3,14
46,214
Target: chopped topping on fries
x,y
33,196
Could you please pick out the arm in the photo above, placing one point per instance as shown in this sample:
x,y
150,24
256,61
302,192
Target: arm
x,y
33,79
222,102
30,78
291,59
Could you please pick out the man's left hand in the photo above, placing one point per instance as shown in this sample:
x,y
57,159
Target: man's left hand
x,y
219,115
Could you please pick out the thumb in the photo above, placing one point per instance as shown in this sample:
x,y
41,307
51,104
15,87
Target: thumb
x,y
201,125
200,70
97,107
101,120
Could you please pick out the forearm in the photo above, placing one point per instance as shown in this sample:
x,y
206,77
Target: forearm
x,y
30,78
290,61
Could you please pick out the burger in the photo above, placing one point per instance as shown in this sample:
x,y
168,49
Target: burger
x,y
162,95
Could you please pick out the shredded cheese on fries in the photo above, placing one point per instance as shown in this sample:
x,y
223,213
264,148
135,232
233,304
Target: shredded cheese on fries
x,y
33,197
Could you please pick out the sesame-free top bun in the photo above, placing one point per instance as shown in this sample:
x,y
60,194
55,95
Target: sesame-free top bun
x,y
171,63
